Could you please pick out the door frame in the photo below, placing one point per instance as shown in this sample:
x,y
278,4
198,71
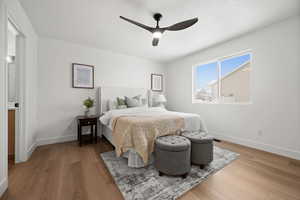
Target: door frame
x,y
21,153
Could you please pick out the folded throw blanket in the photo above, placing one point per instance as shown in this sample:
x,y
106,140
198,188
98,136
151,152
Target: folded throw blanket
x,y
139,132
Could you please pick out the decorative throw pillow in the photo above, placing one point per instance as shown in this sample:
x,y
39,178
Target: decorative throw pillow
x,y
121,101
133,102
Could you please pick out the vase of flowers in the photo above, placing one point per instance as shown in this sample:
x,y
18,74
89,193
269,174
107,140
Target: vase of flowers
x,y
88,103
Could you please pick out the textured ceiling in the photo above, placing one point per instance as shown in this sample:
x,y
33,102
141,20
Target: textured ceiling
x,y
96,23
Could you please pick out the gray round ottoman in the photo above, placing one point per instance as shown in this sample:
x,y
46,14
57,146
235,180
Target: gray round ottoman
x,y
202,148
172,155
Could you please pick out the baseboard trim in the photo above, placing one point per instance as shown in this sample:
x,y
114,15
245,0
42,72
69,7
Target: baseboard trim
x,y
45,141
53,140
250,143
31,150
257,145
3,186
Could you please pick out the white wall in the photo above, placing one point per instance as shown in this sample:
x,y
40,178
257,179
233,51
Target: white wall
x,y
11,82
275,90
11,51
16,12
11,39
59,103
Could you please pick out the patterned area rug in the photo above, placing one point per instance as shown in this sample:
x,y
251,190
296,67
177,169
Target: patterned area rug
x,y
145,184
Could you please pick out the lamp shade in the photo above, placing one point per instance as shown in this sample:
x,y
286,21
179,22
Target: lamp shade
x,y
160,98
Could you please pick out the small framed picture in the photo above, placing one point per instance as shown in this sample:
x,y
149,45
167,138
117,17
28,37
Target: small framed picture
x,y
157,82
82,76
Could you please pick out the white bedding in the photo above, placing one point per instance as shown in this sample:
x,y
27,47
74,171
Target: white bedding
x,y
192,122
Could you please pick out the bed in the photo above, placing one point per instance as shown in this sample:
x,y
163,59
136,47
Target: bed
x,y
192,122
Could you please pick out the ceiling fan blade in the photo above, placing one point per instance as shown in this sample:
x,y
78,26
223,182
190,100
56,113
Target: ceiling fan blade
x,y
138,24
155,42
182,25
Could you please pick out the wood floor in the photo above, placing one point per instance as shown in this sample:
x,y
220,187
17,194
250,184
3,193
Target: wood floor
x,y
68,172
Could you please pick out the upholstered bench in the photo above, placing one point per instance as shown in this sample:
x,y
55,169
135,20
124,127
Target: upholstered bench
x,y
202,147
172,155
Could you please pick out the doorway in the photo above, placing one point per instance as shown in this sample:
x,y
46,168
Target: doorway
x,y
15,53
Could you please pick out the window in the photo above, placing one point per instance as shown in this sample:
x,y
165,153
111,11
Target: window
x,y
225,80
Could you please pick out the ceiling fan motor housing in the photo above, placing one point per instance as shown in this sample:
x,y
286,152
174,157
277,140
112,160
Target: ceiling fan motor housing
x,y
157,16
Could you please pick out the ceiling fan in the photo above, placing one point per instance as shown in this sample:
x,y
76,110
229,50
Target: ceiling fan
x,y
158,31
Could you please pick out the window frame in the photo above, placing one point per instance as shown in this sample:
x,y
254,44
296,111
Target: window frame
x,y
218,60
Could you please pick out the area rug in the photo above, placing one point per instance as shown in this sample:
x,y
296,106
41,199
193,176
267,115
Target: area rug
x,y
145,184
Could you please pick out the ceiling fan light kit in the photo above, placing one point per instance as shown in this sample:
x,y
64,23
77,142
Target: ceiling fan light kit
x,y
157,31
157,34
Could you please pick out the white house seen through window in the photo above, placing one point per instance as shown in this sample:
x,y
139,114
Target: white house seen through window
x,y
225,80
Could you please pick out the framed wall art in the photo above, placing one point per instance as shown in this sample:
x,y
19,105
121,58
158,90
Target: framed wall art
x,y
157,82
82,76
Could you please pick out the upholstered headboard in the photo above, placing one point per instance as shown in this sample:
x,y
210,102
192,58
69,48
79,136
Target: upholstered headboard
x,y
111,93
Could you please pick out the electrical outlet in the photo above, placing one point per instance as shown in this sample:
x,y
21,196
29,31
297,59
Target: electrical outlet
x,y
260,133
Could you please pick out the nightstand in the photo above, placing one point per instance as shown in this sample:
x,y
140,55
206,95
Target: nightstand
x,y
92,122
